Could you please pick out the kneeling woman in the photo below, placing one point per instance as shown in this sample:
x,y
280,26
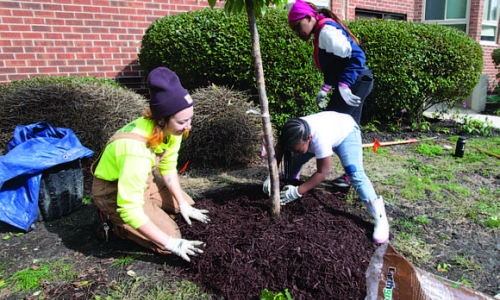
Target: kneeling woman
x,y
322,135
135,180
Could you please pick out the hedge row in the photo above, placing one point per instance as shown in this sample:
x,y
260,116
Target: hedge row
x,y
415,64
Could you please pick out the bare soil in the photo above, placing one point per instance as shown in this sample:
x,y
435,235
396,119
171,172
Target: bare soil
x,y
318,249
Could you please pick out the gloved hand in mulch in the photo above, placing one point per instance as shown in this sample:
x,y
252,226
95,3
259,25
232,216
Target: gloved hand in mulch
x,y
183,248
188,212
289,193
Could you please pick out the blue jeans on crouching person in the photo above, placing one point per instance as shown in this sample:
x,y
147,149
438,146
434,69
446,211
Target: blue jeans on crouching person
x,y
350,152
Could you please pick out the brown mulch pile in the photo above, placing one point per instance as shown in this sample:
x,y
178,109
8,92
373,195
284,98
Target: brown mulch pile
x,y
314,249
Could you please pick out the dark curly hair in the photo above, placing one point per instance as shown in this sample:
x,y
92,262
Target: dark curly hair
x,y
293,132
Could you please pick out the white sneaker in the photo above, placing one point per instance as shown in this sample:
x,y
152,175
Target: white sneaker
x,y
377,210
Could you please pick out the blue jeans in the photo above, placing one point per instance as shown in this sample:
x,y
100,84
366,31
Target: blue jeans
x,y
350,153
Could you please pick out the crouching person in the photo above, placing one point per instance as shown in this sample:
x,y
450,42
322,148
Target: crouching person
x,y
321,135
136,186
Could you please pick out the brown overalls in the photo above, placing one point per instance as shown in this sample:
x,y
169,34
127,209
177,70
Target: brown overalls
x,y
157,202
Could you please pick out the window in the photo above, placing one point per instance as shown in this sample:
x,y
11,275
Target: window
x,y
319,3
453,13
489,28
373,14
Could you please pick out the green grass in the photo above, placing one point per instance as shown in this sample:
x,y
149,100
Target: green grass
x,y
170,290
493,222
88,199
429,149
458,189
25,282
467,264
443,237
29,279
423,220
123,261
3,276
9,235
408,226
463,280
408,232
417,187
430,183
223,180
414,248
351,197
416,177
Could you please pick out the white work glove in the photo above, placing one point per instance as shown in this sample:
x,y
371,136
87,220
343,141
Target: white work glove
x,y
321,98
289,194
348,96
187,212
183,247
266,186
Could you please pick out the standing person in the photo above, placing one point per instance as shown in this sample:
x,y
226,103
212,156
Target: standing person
x,y
321,135
135,179
338,56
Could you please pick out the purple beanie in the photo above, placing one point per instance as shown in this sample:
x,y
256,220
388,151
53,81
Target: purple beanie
x,y
167,96
300,10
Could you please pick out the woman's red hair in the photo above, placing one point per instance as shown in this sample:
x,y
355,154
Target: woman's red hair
x,y
156,137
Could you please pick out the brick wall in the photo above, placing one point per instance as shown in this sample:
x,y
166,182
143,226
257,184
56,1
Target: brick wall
x,y
475,19
78,37
418,11
489,67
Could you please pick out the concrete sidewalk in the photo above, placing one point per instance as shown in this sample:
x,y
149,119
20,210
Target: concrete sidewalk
x,y
459,113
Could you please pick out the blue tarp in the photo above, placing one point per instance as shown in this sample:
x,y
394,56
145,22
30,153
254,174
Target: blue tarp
x,y
33,149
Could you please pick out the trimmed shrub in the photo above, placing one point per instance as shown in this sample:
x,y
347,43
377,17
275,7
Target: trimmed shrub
x,y
495,55
208,46
93,108
416,65
223,134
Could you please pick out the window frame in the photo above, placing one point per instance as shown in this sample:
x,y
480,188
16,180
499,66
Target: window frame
x,y
494,23
380,14
449,22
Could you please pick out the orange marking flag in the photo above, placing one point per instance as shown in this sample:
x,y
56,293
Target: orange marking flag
x,y
376,144
183,169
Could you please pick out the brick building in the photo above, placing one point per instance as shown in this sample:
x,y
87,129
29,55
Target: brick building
x,y
102,37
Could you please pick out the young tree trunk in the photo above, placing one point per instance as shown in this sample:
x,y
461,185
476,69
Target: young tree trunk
x,y
264,108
